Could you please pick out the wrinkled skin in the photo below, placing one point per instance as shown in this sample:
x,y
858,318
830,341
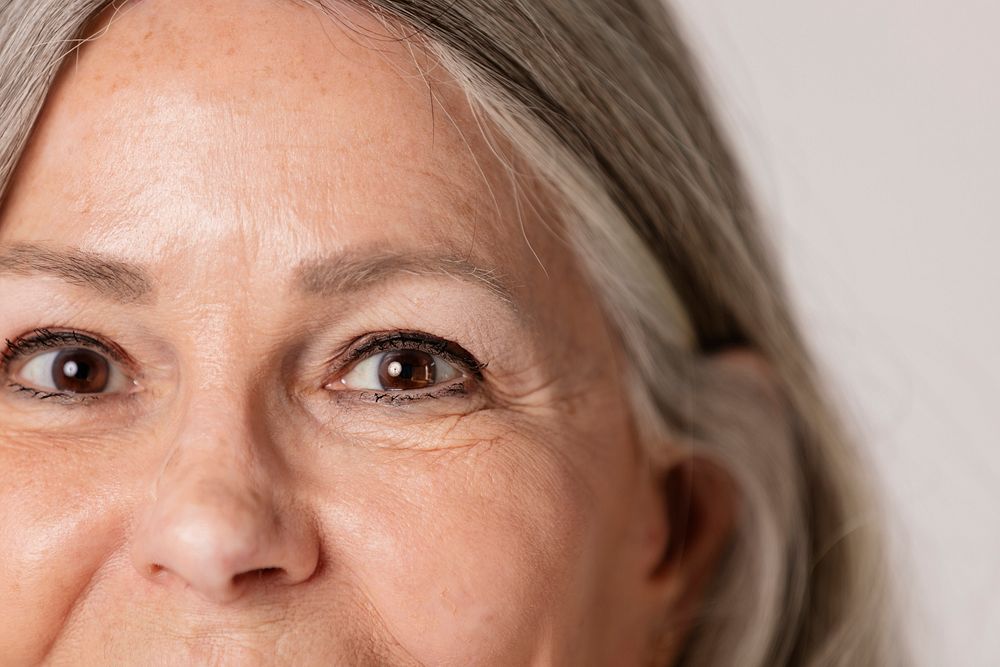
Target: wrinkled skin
x,y
231,499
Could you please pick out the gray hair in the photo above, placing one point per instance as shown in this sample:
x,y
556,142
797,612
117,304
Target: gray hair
x,y
601,98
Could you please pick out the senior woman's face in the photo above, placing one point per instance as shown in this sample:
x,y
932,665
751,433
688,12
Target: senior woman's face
x,y
284,378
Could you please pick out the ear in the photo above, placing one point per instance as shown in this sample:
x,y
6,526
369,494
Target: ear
x,y
695,505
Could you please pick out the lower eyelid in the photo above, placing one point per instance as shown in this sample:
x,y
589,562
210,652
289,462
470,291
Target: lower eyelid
x,y
54,397
454,389
126,386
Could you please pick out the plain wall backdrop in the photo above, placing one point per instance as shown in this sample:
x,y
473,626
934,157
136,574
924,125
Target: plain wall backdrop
x,y
871,131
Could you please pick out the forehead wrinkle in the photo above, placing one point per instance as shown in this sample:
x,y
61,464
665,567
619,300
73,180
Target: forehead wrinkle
x,y
112,278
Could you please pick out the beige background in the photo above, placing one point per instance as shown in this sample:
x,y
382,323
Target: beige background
x,y
872,131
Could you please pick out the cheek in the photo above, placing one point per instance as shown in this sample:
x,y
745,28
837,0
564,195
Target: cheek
x,y
480,553
56,531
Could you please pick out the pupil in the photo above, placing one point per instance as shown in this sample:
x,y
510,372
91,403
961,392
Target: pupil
x,y
80,372
406,369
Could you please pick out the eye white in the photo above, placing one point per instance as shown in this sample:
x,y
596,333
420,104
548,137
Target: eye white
x,y
365,374
38,372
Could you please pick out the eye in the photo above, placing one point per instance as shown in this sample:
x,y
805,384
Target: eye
x,y
66,364
400,370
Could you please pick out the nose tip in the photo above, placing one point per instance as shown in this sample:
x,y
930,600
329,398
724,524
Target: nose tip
x,y
221,540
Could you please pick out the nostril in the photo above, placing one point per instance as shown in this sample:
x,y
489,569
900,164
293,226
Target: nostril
x,y
264,574
223,543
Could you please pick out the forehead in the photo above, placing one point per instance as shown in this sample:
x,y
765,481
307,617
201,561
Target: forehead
x,y
261,123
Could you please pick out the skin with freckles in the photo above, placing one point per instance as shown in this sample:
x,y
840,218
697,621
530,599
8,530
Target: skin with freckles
x,y
241,212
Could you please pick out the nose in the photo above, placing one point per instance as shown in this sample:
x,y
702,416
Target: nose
x,y
218,524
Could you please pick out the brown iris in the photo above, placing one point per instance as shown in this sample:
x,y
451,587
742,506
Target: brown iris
x,y
80,371
406,369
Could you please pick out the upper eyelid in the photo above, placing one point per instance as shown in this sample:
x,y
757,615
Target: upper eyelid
x,y
374,343
46,338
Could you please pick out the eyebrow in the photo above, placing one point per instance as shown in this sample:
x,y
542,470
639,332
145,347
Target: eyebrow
x,y
355,271
343,272
112,278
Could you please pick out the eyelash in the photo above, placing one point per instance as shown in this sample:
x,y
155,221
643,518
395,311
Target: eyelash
x,y
360,349
375,343
48,339
395,399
